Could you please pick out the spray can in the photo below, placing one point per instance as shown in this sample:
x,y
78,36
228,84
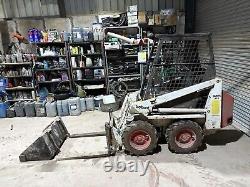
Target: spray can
x,y
35,35
30,35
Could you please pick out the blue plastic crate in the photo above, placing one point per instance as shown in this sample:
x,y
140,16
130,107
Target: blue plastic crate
x,y
3,84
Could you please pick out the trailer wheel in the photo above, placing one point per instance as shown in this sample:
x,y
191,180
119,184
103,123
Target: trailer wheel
x,y
184,137
139,138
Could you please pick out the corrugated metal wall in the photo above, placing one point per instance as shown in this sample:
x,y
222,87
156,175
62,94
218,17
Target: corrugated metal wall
x,y
38,8
30,8
76,7
2,15
229,21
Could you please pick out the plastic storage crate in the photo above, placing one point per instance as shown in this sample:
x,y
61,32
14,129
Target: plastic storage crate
x,y
3,84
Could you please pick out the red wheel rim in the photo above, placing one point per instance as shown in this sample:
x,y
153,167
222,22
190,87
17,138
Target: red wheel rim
x,y
140,140
185,138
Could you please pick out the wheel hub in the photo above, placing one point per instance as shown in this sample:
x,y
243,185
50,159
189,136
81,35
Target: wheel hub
x,y
140,140
185,138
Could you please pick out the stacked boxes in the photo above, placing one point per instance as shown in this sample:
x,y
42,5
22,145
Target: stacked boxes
x,y
132,14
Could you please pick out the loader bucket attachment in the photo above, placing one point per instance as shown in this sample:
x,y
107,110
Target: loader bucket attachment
x,y
47,146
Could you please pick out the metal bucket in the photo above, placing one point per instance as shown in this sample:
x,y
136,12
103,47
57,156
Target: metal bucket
x,y
48,145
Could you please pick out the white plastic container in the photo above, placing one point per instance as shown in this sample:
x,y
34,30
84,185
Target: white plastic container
x,y
40,109
79,74
98,101
90,105
74,106
62,107
83,104
51,109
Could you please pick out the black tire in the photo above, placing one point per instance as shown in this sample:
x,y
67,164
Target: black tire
x,y
149,134
184,137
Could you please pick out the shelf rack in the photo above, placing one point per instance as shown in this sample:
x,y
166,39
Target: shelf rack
x,y
52,72
17,90
82,54
121,58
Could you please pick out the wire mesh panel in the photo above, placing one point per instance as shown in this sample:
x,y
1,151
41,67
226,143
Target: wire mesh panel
x,y
181,61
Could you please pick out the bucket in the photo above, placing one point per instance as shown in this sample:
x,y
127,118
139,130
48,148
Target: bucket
x,y
51,109
19,109
40,109
83,104
3,110
62,107
90,105
29,108
74,106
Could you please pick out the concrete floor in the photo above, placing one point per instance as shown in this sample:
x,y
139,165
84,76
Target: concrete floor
x,y
225,161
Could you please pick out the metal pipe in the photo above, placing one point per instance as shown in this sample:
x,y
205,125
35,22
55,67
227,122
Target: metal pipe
x,y
188,116
181,110
92,134
131,41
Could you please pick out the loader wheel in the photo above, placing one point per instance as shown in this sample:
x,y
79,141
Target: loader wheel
x,y
184,137
139,138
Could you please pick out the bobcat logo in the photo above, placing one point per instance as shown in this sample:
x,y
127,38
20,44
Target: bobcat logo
x,y
142,107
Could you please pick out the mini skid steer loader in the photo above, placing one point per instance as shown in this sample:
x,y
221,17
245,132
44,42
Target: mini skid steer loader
x,y
180,98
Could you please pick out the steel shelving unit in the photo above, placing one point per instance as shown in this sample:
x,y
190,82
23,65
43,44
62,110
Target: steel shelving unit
x,y
21,87
90,76
55,69
119,60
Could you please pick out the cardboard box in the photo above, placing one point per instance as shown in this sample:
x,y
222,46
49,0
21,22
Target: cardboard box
x,y
142,17
150,18
168,17
132,8
132,20
157,19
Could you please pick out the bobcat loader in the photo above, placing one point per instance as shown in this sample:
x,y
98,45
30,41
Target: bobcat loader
x,y
180,98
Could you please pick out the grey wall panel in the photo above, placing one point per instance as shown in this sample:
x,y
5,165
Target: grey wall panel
x,y
7,8
114,5
75,7
229,22
22,9
148,5
141,5
121,5
2,13
30,8
37,8
86,7
106,5
169,3
14,7
52,7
